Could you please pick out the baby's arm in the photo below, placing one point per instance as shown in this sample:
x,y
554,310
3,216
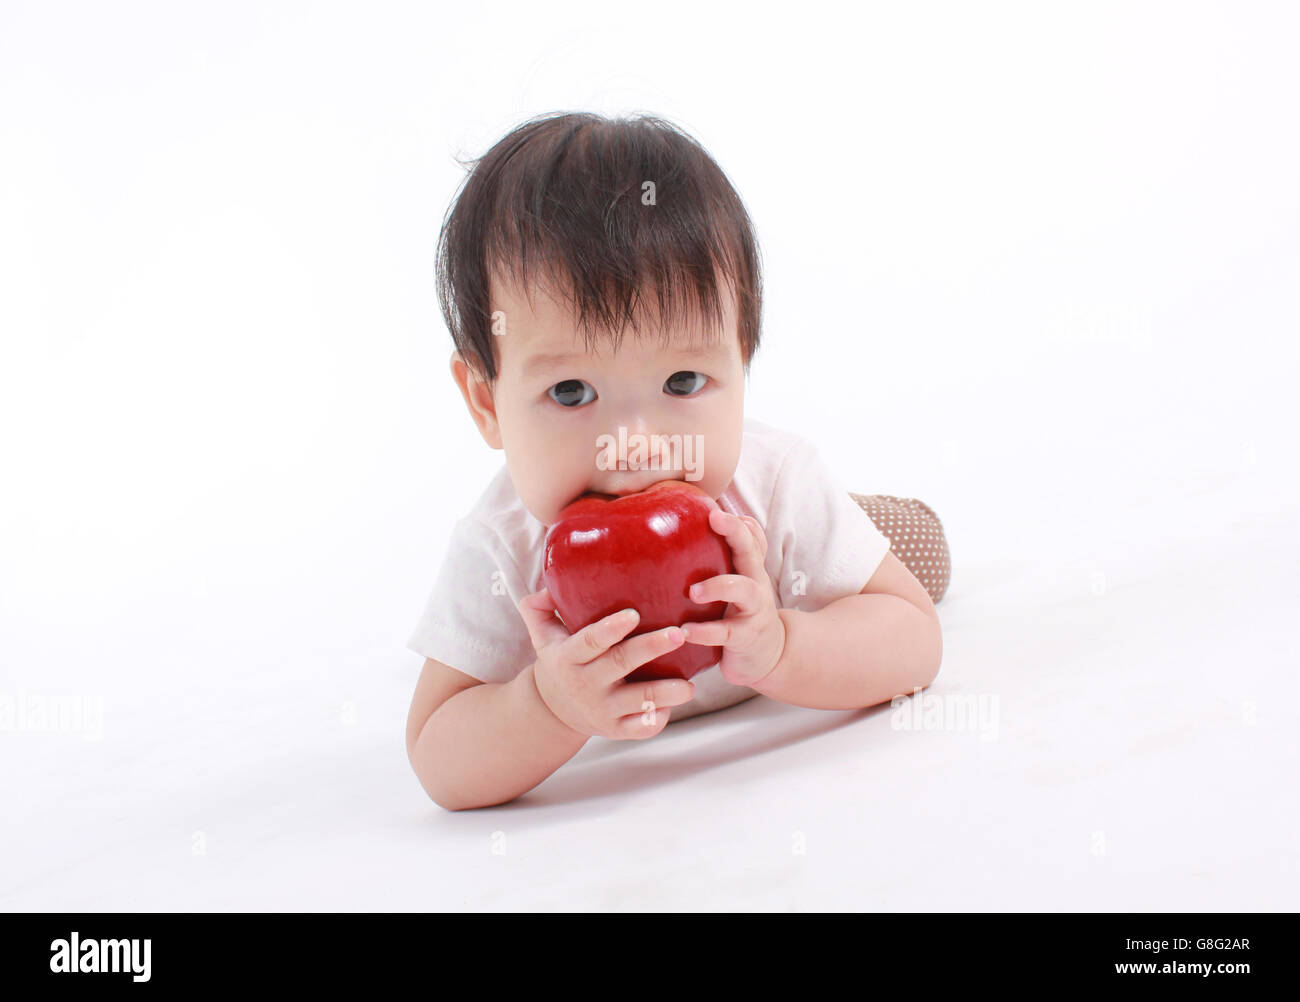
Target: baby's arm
x,y
477,744
861,649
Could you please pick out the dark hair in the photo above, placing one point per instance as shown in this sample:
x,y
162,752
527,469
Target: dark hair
x,y
563,193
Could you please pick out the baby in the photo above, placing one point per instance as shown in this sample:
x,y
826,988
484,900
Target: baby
x,y
600,279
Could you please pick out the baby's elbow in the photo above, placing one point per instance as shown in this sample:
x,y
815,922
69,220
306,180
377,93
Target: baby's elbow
x,y
935,660
432,790
445,799
452,805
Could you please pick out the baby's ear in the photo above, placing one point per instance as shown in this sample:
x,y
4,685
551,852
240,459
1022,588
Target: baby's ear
x,y
457,360
478,398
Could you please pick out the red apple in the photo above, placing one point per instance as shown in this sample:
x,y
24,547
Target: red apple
x,y
641,551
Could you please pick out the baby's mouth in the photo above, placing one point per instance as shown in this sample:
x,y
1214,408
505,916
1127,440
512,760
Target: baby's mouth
x,y
612,495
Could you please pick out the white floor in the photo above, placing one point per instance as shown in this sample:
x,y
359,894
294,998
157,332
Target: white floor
x,y
1127,741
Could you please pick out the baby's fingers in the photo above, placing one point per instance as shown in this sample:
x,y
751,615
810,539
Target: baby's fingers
x,y
644,697
637,651
544,627
594,640
649,705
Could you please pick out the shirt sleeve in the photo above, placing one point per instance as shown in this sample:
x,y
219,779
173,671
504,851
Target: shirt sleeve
x,y
471,619
829,546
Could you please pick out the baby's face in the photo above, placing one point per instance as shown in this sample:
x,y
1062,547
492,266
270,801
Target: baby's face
x,y
613,423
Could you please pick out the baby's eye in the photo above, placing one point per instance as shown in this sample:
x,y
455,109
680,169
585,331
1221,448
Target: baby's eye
x,y
686,382
563,393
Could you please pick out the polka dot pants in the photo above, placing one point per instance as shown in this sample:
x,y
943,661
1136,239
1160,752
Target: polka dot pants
x,y
915,537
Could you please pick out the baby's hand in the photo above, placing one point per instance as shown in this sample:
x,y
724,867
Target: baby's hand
x,y
751,633
580,676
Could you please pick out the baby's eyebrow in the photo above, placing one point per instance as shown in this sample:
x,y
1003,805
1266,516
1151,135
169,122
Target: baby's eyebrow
x,y
546,361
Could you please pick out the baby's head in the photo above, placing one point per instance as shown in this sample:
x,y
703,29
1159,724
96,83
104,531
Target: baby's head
x,y
570,233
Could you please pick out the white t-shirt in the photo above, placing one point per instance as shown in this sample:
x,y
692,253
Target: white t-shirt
x,y
821,546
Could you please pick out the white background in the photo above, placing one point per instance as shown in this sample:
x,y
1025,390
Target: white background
x,y
1034,264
